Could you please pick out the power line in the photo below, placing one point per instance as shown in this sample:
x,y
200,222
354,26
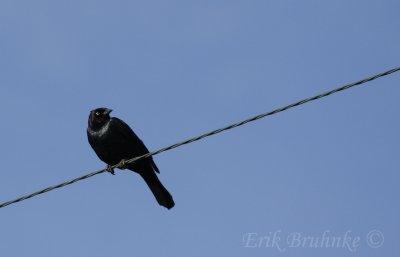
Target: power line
x,y
211,133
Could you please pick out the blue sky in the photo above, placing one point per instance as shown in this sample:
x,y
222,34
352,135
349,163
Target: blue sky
x,y
174,69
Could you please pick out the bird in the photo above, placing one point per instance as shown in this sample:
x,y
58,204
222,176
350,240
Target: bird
x,y
114,142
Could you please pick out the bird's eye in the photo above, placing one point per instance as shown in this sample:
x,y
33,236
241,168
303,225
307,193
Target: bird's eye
x,y
97,113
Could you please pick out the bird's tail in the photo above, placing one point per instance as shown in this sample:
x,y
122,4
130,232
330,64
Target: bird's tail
x,y
161,194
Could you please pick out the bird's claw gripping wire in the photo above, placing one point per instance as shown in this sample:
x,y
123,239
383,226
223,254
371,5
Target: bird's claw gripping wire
x,y
122,164
110,169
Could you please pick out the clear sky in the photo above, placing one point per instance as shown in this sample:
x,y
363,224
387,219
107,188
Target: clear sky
x,y
174,69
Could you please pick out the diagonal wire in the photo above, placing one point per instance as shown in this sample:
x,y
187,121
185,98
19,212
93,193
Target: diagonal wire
x,y
211,133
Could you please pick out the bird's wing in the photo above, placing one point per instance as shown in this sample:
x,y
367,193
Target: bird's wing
x,y
134,140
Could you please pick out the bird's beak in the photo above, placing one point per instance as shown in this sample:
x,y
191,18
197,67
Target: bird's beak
x,y
107,111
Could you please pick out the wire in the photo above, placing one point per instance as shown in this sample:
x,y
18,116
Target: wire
x,y
208,134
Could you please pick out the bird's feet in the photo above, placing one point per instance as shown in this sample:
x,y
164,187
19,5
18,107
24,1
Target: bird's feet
x,y
122,164
110,169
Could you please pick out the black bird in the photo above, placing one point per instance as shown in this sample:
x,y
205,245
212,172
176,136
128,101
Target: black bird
x,y
114,142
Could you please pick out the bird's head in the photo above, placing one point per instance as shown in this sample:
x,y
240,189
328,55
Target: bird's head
x,y
99,117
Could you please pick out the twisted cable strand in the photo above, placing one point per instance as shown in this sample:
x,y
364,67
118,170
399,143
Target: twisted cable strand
x,y
208,134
